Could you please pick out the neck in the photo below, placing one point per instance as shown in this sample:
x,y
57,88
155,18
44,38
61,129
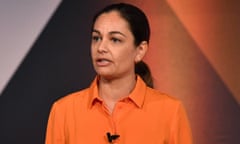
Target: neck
x,y
112,90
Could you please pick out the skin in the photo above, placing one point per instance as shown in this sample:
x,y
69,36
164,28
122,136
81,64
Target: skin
x,y
114,55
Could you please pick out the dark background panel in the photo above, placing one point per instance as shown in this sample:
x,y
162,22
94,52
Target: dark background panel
x,y
58,63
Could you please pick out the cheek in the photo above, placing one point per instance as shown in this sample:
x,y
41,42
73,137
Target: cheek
x,y
128,56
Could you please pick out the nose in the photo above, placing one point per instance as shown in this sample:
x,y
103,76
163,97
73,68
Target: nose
x,y
102,47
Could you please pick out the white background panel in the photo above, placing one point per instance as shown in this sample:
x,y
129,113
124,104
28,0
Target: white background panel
x,y
21,22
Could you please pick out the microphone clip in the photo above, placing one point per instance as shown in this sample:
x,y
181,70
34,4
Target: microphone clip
x,y
112,137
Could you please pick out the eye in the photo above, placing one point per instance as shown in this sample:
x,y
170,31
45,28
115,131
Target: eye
x,y
96,38
115,40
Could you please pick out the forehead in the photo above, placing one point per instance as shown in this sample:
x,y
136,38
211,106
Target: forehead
x,y
111,21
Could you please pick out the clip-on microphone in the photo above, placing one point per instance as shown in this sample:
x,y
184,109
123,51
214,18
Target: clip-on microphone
x,y
112,137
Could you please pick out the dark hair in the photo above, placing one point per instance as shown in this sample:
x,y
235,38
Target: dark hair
x,y
139,26
142,69
135,17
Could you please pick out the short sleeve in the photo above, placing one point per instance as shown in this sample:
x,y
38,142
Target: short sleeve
x,y
180,132
55,126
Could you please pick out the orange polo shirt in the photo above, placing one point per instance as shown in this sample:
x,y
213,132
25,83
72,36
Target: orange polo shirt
x,y
146,116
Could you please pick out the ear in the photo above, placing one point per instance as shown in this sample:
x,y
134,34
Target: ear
x,y
141,51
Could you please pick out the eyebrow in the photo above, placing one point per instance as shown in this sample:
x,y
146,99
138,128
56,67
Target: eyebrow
x,y
96,31
112,32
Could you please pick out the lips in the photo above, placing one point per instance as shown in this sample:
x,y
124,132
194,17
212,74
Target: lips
x,y
102,62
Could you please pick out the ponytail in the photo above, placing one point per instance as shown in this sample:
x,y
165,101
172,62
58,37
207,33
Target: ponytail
x,y
142,69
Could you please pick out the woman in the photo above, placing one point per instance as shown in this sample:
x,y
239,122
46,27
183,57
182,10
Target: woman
x,y
118,107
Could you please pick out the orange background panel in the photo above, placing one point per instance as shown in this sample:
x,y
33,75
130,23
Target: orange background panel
x,y
193,56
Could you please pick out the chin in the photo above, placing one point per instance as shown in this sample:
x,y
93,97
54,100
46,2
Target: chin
x,y
105,75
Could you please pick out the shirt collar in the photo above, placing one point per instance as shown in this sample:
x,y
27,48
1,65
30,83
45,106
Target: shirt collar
x,y
139,92
137,95
93,92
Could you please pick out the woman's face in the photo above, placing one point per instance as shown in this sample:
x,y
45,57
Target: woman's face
x,y
113,51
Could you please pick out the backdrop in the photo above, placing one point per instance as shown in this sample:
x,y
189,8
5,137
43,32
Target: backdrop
x,y
193,56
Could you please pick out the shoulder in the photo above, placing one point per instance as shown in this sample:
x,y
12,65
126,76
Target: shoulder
x,y
161,103
73,98
157,95
160,99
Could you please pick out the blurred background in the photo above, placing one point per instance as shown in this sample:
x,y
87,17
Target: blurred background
x,y
193,55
